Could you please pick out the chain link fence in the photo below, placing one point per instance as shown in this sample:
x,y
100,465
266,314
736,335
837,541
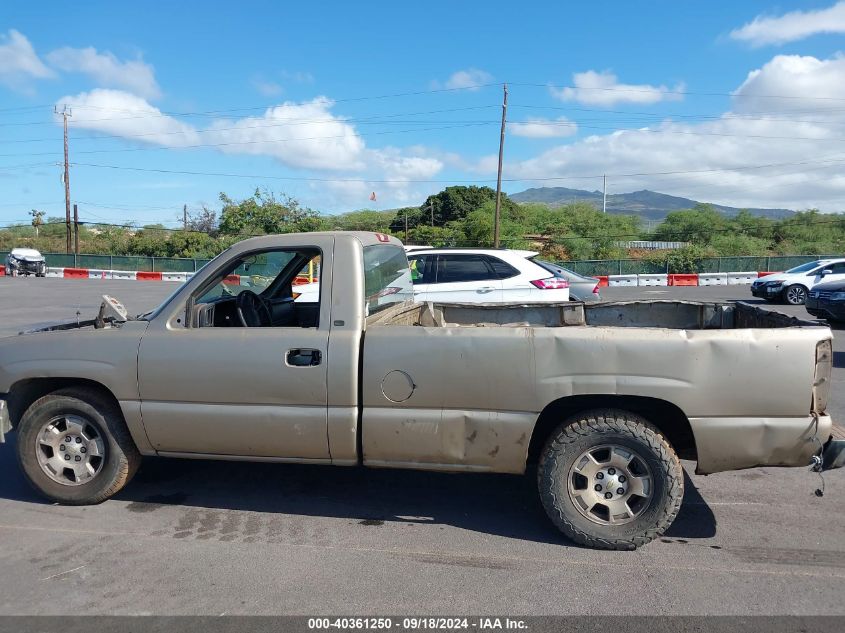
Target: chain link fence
x,y
774,263
592,268
121,262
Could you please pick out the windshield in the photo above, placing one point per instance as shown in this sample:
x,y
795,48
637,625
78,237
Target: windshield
x,y
803,268
387,277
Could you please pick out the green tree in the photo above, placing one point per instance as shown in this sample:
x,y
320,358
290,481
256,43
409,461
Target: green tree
x,y
37,219
697,225
263,213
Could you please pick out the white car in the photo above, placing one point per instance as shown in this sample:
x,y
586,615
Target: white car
x,y
25,261
474,275
793,285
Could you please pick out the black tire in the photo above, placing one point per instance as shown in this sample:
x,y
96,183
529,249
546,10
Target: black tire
x,y
795,295
620,428
121,458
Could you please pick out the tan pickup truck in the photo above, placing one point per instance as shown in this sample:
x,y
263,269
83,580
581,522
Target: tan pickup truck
x,y
598,401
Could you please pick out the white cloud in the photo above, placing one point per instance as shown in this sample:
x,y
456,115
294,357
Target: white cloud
x,y
794,83
134,75
267,88
756,132
301,135
543,128
19,61
124,114
792,26
469,79
298,76
603,89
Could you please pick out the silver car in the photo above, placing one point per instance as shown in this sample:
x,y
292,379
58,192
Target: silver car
x,y
581,287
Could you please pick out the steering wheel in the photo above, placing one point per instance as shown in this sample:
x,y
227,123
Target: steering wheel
x,y
253,311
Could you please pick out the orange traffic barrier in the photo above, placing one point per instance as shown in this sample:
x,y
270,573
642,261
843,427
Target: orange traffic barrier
x,y
769,272
603,283
76,273
683,279
143,275
2,271
234,280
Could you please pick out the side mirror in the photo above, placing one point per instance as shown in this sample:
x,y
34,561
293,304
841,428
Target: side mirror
x,y
826,271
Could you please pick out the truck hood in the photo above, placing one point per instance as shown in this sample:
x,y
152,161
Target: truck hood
x,y
112,312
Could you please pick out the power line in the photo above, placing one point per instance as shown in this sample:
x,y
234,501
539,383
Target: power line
x,y
272,123
258,142
160,113
477,180
660,90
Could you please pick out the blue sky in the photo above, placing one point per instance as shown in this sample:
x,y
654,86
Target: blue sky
x,y
735,103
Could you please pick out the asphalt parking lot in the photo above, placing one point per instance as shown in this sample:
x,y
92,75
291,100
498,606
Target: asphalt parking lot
x,y
199,537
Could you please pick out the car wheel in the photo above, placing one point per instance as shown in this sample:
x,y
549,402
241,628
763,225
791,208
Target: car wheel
x,y
795,295
74,448
609,479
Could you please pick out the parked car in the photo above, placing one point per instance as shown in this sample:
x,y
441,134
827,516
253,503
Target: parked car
x,y
25,261
793,285
603,398
581,287
827,301
475,275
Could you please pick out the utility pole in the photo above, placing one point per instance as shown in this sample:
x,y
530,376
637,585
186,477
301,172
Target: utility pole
x,y
431,208
604,195
75,235
406,225
65,114
185,217
499,176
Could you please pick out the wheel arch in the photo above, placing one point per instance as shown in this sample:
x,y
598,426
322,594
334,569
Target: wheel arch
x,y
667,417
24,392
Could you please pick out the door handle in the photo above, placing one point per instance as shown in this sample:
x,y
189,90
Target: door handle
x,y
304,357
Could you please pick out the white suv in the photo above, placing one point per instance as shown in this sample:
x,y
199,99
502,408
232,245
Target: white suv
x,y
792,286
455,275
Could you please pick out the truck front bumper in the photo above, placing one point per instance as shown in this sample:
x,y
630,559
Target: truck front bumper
x,y
5,421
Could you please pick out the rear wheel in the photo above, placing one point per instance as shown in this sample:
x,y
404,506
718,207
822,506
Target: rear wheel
x,y
795,295
609,479
74,447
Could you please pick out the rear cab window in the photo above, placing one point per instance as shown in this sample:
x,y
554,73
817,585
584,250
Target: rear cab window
x,y
387,277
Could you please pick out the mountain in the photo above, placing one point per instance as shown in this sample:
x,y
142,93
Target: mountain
x,y
649,205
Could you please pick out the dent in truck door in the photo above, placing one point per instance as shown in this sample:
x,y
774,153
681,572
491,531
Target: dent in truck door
x,y
237,390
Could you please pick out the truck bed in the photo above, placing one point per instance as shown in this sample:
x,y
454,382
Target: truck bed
x,y
683,315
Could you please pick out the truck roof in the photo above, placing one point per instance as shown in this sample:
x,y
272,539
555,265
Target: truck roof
x,y
366,238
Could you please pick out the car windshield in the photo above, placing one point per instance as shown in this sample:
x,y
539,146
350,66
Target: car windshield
x,y
803,268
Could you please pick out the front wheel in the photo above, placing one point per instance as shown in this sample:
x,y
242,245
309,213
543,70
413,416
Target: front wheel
x,y
795,295
73,447
608,479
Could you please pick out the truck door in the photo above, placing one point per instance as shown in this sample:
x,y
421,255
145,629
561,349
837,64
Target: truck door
x,y
219,387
